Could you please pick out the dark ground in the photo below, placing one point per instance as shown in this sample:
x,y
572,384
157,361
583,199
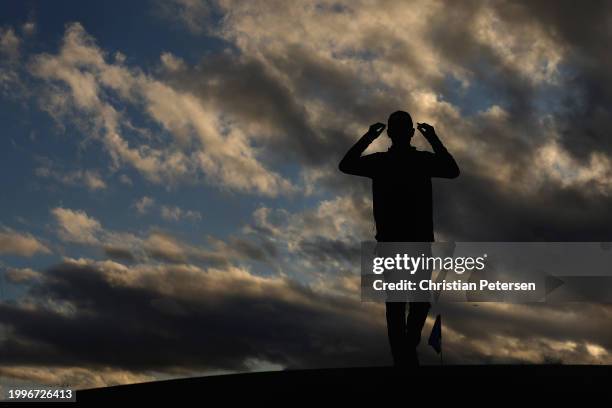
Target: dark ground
x,y
428,384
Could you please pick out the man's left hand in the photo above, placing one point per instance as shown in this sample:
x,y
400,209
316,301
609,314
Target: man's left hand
x,y
426,130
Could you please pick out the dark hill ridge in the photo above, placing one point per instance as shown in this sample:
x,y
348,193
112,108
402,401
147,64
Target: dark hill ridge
x,y
353,383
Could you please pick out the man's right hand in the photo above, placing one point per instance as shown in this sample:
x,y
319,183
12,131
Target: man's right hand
x,y
376,129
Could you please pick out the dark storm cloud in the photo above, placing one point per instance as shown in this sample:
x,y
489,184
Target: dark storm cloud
x,y
476,210
108,316
541,328
137,327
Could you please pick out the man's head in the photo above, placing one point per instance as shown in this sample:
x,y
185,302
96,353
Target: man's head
x,y
399,128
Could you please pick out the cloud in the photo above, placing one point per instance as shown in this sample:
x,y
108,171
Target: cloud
x,y
144,204
9,43
171,62
19,243
193,14
126,180
175,213
519,92
164,247
167,212
20,275
512,152
210,313
29,28
324,238
79,79
166,318
320,245
76,226
11,84
528,333
118,253
91,179
77,377
317,91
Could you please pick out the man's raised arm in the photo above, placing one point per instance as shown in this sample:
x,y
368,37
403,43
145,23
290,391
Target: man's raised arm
x,y
444,165
352,162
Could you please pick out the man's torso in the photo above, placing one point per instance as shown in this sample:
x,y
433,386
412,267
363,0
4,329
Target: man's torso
x,y
402,195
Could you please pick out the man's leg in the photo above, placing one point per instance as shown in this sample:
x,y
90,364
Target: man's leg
x,y
414,325
396,330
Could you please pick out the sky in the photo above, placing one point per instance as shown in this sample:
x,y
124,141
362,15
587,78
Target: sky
x,y
171,204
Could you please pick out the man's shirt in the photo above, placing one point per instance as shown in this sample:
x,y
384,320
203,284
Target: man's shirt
x,y
402,190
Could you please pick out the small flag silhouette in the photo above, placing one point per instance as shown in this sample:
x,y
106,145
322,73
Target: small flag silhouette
x,y
435,338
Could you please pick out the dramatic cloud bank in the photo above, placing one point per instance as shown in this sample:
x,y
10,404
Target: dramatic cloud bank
x,y
520,92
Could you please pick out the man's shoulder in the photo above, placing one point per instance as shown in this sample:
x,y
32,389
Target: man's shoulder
x,y
424,153
413,152
388,155
375,156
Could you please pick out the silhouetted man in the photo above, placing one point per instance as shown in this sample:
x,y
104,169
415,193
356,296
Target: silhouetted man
x,y
402,200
